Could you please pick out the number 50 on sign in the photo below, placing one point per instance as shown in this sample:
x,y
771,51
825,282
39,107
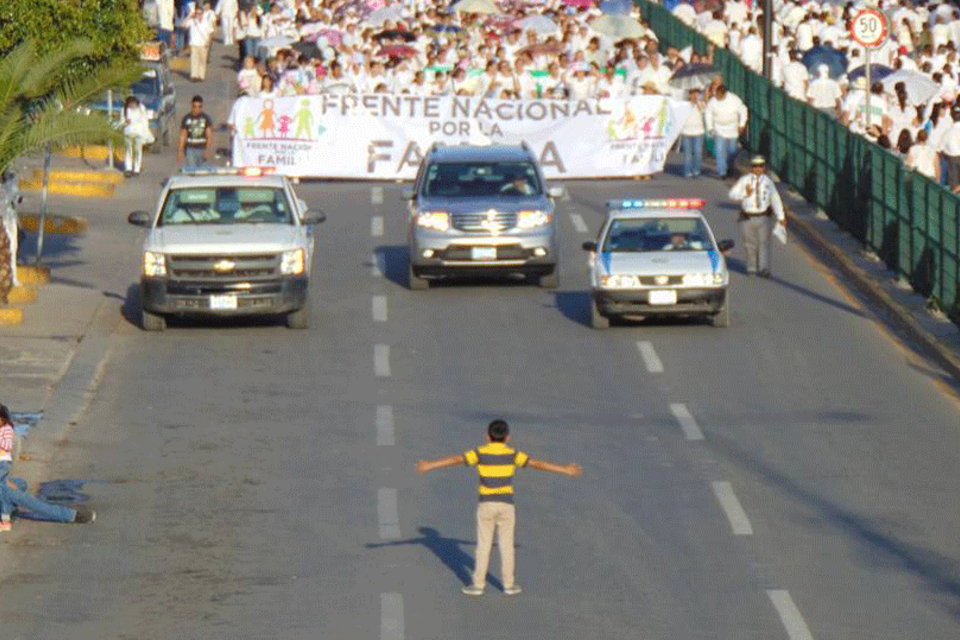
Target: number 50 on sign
x,y
869,28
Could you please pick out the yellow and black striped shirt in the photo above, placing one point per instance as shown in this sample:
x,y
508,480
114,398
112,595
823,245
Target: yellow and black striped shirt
x,y
496,464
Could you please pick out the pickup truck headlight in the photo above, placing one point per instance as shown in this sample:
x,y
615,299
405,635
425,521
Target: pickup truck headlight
x,y
708,279
436,220
531,219
154,264
293,262
620,281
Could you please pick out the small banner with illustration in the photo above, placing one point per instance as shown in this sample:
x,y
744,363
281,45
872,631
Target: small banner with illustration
x,y
384,136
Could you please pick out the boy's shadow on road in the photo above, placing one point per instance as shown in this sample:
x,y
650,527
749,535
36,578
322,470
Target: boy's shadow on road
x,y
447,550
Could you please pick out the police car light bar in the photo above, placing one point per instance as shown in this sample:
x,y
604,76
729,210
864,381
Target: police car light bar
x,y
671,203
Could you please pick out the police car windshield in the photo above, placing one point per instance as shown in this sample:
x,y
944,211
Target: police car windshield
x,y
481,179
657,234
226,205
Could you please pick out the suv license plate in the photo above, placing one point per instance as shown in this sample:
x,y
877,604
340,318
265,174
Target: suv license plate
x,y
483,253
661,296
226,301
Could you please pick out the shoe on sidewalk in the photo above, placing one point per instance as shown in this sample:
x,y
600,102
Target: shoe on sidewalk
x,y
85,515
513,591
471,590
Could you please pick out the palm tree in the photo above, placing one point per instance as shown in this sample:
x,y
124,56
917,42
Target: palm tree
x,y
39,100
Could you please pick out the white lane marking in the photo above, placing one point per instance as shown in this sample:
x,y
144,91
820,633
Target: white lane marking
x,y
732,509
578,223
376,195
391,616
387,513
687,422
379,308
789,615
376,264
381,360
385,426
650,357
376,226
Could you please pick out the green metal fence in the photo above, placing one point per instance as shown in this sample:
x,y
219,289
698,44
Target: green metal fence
x,y
909,221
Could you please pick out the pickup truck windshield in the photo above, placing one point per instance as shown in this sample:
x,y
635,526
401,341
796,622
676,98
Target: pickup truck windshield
x,y
226,205
481,179
657,234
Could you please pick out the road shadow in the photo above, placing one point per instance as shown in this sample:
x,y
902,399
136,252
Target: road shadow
x,y
57,248
393,262
574,306
447,550
816,296
132,306
870,537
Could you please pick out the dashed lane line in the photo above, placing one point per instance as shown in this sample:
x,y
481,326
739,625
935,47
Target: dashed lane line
x,y
391,616
732,509
376,195
379,308
376,226
381,360
650,358
578,223
790,616
688,424
377,264
387,514
385,426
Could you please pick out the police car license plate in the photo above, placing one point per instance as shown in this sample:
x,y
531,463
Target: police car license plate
x,y
663,296
483,253
223,302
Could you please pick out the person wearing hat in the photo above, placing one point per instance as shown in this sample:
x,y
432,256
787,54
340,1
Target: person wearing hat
x,y
759,202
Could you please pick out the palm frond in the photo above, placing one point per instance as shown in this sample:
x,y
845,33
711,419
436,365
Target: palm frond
x,y
68,128
117,75
47,71
13,69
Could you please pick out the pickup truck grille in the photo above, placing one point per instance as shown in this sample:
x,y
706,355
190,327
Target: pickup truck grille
x,y
484,221
652,281
251,266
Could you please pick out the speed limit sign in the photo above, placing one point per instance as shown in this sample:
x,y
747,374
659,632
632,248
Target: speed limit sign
x,y
869,28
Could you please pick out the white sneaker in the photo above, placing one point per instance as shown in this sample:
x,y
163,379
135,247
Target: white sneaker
x,y
471,590
513,591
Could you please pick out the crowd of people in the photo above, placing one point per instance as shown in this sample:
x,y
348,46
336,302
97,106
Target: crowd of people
x,y
911,107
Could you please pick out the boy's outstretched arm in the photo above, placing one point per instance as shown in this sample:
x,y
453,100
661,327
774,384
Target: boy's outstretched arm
x,y
573,469
424,466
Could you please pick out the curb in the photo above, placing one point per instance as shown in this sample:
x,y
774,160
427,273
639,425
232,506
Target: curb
x,y
53,224
103,176
97,152
902,318
32,275
10,317
83,189
22,295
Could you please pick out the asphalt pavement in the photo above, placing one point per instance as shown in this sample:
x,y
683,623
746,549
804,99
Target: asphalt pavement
x,y
789,477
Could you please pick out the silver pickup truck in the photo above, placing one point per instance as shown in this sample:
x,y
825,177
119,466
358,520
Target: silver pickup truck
x,y
226,242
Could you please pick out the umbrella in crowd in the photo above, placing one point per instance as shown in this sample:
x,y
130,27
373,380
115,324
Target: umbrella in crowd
x,y
919,87
444,30
397,51
617,26
476,6
540,24
877,72
395,34
583,4
381,15
692,76
307,49
616,7
835,61
332,37
551,48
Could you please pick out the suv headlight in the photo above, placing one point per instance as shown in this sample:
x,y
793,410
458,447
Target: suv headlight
x,y
531,219
707,279
436,220
154,264
620,281
293,262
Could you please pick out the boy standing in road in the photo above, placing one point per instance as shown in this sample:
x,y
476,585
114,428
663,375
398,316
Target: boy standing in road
x,y
496,463
196,136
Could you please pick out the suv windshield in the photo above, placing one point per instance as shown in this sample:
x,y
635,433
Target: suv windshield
x,y
481,179
147,84
657,234
226,205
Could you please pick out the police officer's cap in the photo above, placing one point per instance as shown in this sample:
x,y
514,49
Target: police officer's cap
x,y
758,161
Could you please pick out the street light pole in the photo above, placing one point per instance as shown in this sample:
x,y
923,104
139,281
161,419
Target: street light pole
x,y
768,39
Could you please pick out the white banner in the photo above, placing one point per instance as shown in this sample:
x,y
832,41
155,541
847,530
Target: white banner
x,y
384,136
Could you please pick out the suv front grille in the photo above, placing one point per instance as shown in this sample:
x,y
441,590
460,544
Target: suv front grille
x,y
263,265
491,221
652,281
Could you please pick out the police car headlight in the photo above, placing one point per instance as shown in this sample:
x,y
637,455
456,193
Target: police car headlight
x,y
531,219
620,281
293,262
154,264
436,220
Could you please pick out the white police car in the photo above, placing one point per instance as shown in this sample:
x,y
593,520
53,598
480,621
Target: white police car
x,y
657,257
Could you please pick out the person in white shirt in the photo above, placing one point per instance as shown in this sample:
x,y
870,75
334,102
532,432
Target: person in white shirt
x,y
227,11
685,13
751,51
950,148
716,30
923,158
136,133
200,30
796,78
691,136
726,119
824,93
165,17
759,202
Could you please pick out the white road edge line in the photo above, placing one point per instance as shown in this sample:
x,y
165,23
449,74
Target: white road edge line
x,y
385,426
376,226
379,308
376,195
732,509
688,424
391,616
381,360
387,514
578,223
650,357
790,616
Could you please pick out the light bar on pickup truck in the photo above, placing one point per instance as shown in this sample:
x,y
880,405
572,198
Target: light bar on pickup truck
x,y
670,203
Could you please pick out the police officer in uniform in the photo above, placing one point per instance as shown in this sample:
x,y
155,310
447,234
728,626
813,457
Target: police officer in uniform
x,y
759,205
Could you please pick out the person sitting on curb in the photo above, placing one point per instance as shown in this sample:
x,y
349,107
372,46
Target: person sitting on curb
x,y
14,494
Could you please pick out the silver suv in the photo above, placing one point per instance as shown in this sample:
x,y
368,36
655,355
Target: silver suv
x,y
479,210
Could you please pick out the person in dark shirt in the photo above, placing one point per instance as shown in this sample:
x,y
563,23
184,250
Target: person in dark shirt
x,y
196,136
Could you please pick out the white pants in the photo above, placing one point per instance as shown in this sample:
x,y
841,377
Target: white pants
x,y
133,156
228,23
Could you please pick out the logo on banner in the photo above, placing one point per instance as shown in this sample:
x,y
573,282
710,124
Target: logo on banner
x,y
630,126
300,124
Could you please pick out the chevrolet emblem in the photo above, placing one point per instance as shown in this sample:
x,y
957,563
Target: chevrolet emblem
x,y
490,221
661,279
222,266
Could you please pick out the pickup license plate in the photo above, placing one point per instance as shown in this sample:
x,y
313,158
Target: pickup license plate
x,y
224,302
483,253
663,296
